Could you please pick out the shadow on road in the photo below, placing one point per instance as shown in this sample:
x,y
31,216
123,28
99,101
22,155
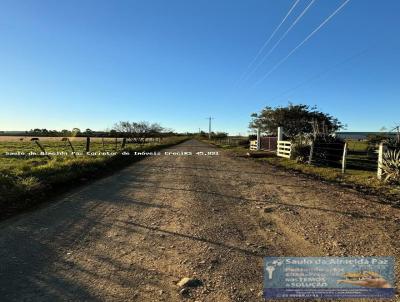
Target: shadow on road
x,y
243,199
156,229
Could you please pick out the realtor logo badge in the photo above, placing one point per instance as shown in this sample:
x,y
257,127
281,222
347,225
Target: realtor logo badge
x,y
328,277
270,267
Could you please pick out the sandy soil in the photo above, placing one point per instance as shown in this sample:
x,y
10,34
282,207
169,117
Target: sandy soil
x,y
134,235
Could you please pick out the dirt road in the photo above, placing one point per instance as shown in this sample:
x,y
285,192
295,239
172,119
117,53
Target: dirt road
x,y
134,235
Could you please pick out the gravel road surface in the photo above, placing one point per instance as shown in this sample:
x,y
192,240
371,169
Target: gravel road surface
x,y
134,235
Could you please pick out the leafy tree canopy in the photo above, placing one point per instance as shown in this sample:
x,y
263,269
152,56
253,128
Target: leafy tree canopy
x,y
138,131
296,120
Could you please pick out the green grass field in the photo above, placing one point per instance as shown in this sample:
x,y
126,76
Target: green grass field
x,y
26,180
359,157
19,165
355,145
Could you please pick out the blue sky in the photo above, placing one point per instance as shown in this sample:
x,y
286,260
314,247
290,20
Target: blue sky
x,y
89,64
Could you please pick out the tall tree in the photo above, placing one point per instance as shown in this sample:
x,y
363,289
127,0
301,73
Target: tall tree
x,y
88,132
137,132
75,132
296,120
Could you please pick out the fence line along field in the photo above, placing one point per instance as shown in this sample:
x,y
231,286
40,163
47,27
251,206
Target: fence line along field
x,y
9,138
16,145
20,154
25,171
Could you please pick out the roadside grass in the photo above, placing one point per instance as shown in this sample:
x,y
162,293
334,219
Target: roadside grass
x,y
356,145
21,164
26,181
361,180
365,181
239,150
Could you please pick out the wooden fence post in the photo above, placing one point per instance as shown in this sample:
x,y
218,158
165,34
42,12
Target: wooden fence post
x,y
66,139
36,140
344,158
311,153
381,150
123,142
87,144
258,139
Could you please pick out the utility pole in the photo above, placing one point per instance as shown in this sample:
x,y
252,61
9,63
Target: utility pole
x,y
397,129
209,126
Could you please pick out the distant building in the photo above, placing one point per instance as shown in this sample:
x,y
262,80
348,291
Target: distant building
x,y
360,135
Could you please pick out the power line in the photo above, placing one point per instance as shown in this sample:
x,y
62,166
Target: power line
x,y
280,40
269,39
397,128
302,43
323,72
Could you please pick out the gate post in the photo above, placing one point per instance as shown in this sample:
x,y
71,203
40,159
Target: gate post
x,y
310,157
344,158
258,139
280,134
381,150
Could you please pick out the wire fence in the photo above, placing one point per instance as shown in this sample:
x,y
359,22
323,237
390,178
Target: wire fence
x,y
362,155
232,141
355,156
68,146
326,154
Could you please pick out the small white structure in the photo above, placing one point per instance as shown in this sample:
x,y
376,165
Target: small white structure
x,y
284,149
381,151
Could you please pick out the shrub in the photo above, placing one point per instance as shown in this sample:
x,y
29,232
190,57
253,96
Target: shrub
x,y
220,135
391,166
374,140
393,143
29,183
300,152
